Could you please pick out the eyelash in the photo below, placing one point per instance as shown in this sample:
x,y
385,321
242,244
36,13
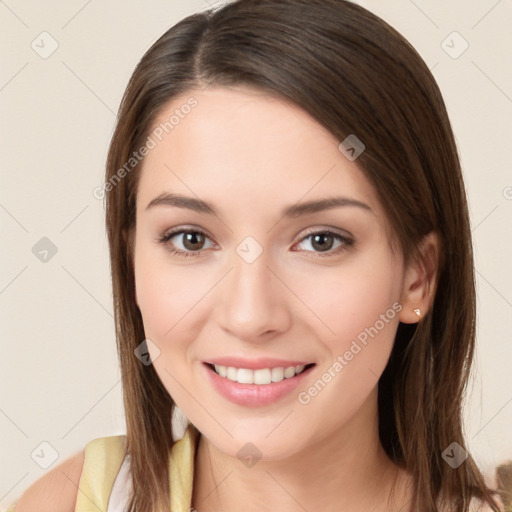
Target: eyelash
x,y
164,239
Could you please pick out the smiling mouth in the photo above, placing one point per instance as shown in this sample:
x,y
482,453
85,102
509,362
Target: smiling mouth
x,y
261,376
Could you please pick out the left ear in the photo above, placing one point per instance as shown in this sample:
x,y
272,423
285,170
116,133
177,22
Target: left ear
x,y
420,280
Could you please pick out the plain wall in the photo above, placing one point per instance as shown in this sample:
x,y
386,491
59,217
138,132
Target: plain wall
x,y
60,380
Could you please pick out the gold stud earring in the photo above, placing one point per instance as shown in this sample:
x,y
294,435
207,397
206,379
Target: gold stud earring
x,y
418,312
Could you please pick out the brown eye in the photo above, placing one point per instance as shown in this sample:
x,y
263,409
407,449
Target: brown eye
x,y
323,242
192,242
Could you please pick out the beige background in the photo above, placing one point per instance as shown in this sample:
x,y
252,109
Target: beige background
x,y
60,381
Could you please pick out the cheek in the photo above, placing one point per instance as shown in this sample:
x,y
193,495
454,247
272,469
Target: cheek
x,y
164,297
170,299
360,303
352,297
161,296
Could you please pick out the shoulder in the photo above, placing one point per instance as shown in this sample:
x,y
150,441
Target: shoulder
x,y
56,491
477,505
92,469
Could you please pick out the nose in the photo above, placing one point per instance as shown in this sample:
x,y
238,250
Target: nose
x,y
253,302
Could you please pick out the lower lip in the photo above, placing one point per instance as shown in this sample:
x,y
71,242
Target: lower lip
x,y
254,395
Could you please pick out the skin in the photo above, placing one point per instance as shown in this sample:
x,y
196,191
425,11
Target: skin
x,y
251,155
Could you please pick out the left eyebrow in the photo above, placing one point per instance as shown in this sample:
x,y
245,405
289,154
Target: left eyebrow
x,y
296,210
309,207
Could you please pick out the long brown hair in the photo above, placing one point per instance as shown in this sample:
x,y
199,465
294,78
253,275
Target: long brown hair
x,y
354,74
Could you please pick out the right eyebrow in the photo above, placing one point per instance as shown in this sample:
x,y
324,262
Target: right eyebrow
x,y
180,201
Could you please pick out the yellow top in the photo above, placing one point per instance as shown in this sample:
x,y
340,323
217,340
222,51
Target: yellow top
x,y
103,459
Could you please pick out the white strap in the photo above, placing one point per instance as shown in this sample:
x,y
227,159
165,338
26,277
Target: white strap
x,y
121,489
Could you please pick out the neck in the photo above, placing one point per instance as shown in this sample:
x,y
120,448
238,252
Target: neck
x,y
348,470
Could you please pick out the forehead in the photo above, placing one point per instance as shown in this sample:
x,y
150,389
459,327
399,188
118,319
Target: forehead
x,y
240,147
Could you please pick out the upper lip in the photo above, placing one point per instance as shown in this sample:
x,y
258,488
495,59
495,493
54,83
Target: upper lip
x,y
255,364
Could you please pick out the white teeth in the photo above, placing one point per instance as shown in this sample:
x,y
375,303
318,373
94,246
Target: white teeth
x,y
245,376
277,374
289,372
231,373
261,376
221,370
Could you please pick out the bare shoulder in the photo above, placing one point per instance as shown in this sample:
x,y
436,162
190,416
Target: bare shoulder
x,y
477,505
57,490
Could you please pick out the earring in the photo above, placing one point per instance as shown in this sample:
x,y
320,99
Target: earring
x,y
418,312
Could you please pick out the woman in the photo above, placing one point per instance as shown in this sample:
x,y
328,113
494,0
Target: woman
x,y
292,266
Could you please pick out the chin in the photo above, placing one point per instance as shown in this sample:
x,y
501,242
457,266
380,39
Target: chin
x,y
262,441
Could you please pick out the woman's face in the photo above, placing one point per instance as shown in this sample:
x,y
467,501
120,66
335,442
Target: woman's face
x,y
257,291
